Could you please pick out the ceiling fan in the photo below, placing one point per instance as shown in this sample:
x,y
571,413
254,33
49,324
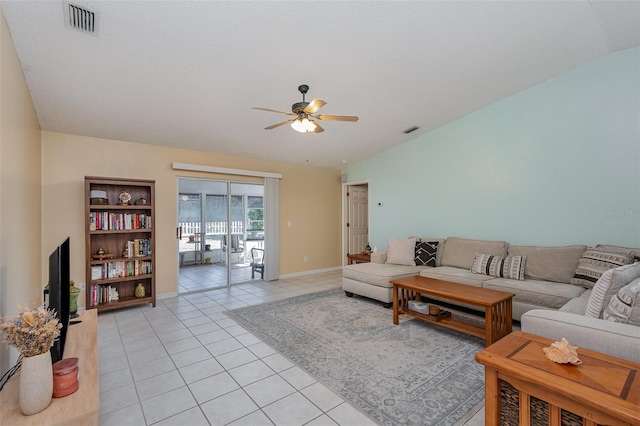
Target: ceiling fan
x,y
304,114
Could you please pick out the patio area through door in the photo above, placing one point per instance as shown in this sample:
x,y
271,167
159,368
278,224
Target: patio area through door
x,y
219,222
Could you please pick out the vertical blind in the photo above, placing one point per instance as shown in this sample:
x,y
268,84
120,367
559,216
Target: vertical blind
x,y
272,228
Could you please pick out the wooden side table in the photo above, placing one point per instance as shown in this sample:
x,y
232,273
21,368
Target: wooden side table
x,y
359,258
81,408
523,387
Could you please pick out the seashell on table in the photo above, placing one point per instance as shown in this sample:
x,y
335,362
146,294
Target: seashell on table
x,y
562,352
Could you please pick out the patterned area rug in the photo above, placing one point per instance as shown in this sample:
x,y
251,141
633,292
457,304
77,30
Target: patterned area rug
x,y
409,374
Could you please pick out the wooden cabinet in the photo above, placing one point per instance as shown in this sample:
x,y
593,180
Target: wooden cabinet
x,y
120,242
523,387
81,408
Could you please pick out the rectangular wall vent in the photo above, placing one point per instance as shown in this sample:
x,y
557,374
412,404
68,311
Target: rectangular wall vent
x,y
80,18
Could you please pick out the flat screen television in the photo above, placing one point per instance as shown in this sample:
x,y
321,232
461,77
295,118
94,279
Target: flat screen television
x,y
59,293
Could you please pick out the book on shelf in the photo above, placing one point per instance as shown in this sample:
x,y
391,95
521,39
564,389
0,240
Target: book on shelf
x,y
103,294
138,247
96,273
124,268
112,221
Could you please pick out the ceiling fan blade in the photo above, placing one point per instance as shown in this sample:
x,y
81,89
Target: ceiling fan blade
x,y
274,110
314,106
318,128
329,117
273,126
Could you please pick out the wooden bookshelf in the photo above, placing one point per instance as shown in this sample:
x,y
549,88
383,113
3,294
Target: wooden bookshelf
x,y
113,224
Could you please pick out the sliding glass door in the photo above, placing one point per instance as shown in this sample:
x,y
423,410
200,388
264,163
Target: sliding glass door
x,y
219,222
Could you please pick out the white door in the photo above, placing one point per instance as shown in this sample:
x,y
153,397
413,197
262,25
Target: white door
x,y
358,225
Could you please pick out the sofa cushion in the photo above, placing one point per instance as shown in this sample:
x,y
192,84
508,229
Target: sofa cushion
x,y
535,292
624,307
456,275
461,252
426,252
620,340
378,257
401,252
379,274
595,262
557,264
498,266
440,242
577,305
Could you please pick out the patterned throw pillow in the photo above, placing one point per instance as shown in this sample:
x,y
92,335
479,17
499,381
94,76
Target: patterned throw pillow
x,y
594,263
498,266
426,252
624,307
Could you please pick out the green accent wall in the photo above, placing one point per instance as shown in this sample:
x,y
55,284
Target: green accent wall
x,y
556,164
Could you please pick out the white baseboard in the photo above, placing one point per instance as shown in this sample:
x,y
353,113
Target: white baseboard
x,y
315,271
166,295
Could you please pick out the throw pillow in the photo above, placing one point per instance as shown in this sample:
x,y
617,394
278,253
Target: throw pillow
x,y
618,249
624,307
514,267
401,252
497,266
623,275
487,264
600,295
594,263
426,252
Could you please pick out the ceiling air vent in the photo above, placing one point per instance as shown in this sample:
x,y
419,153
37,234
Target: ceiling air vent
x,y
410,129
80,18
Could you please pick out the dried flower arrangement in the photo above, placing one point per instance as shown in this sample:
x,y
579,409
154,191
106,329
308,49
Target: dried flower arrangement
x,y
32,331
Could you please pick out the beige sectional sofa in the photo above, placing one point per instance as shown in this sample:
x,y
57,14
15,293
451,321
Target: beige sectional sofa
x,y
548,272
547,297
372,279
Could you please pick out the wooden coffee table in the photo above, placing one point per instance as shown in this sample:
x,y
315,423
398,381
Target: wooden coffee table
x,y
496,304
523,387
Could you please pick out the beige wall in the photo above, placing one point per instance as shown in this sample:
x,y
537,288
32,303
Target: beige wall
x,y
309,198
20,274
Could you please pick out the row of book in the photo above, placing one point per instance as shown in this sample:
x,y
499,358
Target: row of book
x,y
121,269
112,221
102,294
137,247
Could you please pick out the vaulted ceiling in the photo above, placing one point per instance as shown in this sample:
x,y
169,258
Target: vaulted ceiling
x,y
187,73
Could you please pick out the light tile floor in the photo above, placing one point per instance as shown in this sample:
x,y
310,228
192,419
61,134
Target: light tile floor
x,y
208,276
185,363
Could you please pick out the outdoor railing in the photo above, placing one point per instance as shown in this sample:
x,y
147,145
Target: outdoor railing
x,y
211,228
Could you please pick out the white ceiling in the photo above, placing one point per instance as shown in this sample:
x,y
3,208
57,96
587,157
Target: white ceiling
x,y
187,73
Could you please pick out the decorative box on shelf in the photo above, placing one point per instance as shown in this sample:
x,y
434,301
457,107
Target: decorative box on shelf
x,y
98,197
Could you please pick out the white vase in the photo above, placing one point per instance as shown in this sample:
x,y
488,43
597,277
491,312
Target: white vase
x,y
36,383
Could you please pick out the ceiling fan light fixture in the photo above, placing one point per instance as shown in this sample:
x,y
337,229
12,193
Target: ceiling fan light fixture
x,y
304,112
303,125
